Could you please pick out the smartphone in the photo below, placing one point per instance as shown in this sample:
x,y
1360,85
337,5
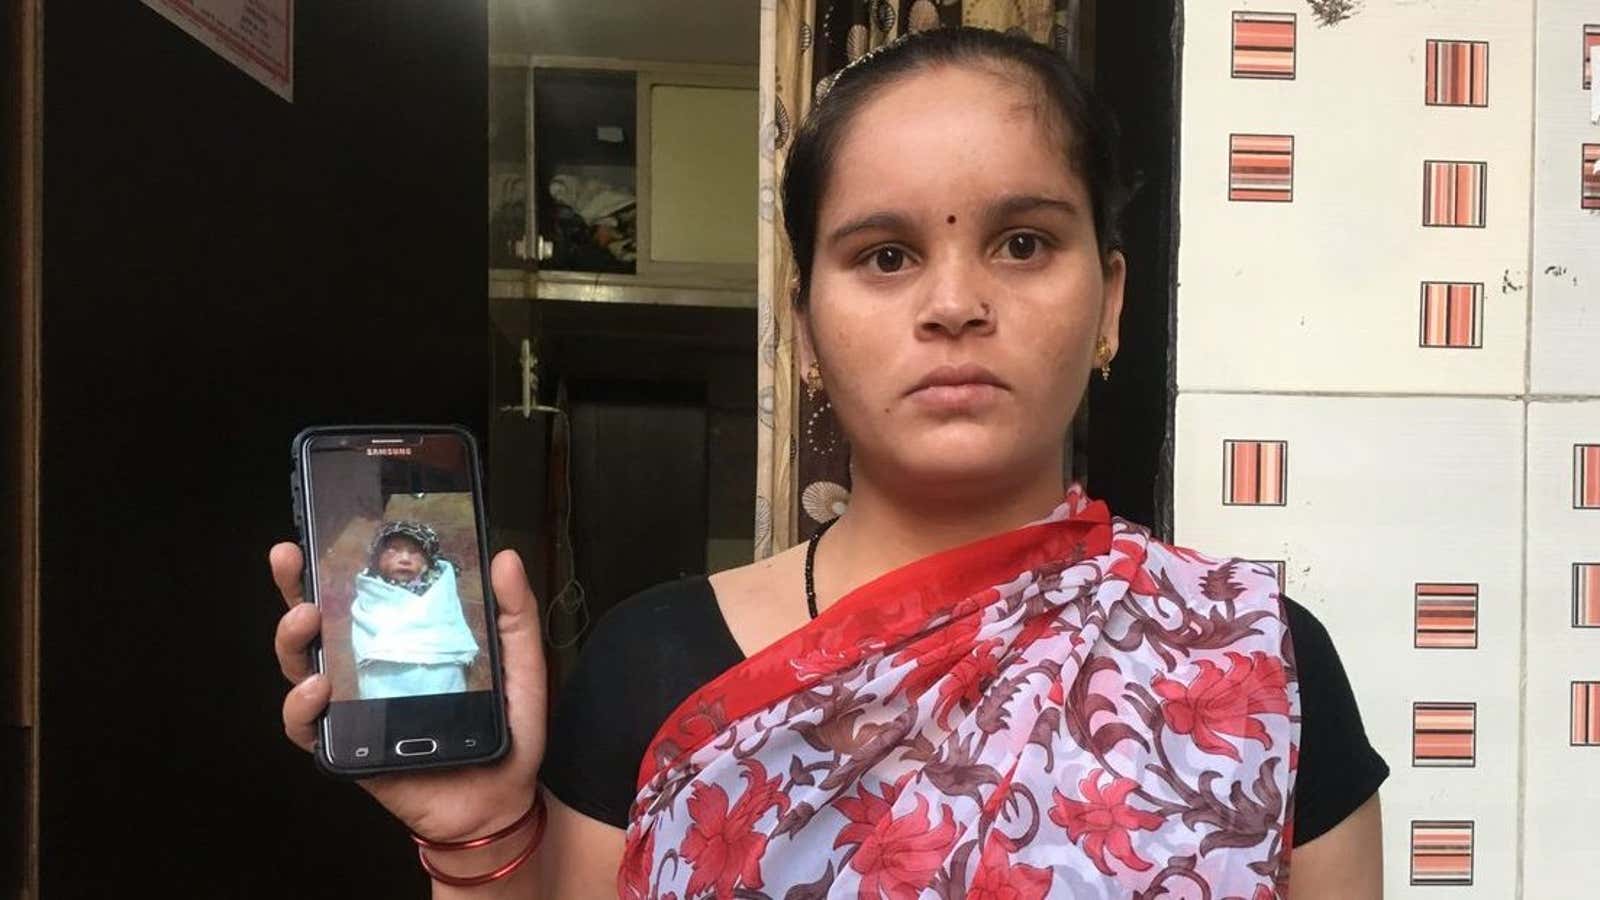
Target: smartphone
x,y
391,522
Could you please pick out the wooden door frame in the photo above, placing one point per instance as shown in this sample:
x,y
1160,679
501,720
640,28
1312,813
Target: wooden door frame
x,y
19,522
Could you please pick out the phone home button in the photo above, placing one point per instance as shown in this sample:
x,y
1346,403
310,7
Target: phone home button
x,y
416,747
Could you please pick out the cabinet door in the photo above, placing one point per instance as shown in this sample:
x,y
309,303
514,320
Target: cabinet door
x,y
702,174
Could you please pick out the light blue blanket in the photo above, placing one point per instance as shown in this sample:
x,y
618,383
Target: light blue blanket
x,y
390,624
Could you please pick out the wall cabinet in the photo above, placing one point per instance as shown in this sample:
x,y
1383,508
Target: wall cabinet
x,y
622,181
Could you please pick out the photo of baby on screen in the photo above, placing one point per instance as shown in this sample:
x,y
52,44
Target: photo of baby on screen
x,y
407,630
398,573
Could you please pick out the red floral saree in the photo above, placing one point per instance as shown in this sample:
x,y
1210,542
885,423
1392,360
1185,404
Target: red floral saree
x,y
1070,709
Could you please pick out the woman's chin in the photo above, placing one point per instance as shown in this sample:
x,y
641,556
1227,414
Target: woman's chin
x,y
978,457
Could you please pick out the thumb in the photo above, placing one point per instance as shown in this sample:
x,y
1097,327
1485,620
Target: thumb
x,y
522,654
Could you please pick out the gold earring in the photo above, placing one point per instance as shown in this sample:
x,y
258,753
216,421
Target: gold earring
x,y
1102,355
820,438
813,380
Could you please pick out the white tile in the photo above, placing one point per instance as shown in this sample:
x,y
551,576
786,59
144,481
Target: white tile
x,y
1563,782
1383,493
1324,293
1566,238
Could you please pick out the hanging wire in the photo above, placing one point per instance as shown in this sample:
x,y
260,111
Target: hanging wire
x,y
570,598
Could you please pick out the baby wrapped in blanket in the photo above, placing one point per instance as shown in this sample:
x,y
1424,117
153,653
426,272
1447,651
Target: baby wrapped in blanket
x,y
409,634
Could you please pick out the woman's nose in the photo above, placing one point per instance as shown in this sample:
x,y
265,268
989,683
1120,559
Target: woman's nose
x,y
955,302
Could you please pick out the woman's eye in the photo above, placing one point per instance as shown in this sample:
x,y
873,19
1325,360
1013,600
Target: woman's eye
x,y
888,259
1022,246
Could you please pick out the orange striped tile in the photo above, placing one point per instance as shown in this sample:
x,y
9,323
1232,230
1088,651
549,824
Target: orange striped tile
x,y
1452,314
1590,186
1446,616
1586,595
1457,73
1586,714
1261,168
1255,473
1586,476
1263,45
1453,193
1444,734
1441,852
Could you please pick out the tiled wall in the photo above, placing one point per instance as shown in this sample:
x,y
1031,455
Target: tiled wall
x,y
1388,312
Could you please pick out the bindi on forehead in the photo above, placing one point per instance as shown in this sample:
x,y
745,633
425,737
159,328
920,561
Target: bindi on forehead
x,y
951,219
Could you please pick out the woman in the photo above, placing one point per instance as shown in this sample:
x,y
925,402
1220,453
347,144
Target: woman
x,y
976,683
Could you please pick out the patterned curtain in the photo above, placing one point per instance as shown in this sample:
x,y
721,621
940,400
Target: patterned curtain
x,y
803,464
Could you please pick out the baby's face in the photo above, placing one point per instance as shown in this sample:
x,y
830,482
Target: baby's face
x,y
402,559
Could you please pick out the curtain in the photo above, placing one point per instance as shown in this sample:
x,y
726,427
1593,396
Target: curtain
x,y
803,464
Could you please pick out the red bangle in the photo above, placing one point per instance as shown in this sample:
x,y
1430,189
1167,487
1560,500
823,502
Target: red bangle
x,y
423,845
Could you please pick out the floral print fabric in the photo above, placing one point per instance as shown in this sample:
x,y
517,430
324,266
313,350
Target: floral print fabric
x,y
1067,710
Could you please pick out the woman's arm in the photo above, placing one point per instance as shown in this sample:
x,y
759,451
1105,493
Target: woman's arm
x,y
580,856
577,859
1346,863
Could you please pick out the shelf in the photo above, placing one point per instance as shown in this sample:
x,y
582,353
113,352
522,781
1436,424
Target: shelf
x,y
516,284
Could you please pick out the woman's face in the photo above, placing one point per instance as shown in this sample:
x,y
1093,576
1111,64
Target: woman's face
x,y
957,289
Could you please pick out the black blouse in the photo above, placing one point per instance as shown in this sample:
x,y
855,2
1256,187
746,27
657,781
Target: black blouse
x,y
655,649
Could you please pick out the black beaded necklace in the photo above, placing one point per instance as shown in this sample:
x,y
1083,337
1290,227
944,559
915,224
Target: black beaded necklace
x,y
811,564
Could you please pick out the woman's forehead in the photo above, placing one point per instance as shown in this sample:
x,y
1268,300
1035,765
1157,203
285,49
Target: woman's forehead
x,y
949,135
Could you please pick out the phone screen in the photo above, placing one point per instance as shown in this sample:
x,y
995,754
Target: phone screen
x,y
395,558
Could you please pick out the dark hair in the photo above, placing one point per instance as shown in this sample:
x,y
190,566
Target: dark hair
x,y
1089,132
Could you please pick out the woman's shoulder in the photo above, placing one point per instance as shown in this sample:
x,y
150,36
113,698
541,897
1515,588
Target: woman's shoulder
x,y
659,618
1211,584
759,581
1309,634
1241,581
644,657
1244,573
1316,660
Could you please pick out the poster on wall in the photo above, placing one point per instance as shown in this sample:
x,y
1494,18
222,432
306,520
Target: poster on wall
x,y
255,35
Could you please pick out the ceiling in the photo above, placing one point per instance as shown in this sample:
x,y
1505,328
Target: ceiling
x,y
705,31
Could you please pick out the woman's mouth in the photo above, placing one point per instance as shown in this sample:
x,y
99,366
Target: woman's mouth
x,y
961,388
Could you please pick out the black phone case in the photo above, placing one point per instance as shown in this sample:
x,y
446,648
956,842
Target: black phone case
x,y
502,742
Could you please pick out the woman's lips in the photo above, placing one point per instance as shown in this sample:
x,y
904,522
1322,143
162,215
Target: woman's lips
x,y
957,397
956,376
963,388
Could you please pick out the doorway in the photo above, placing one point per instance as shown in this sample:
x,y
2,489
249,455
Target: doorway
x,y
1128,427
622,268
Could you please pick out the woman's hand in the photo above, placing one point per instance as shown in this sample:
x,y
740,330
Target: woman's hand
x,y
450,804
